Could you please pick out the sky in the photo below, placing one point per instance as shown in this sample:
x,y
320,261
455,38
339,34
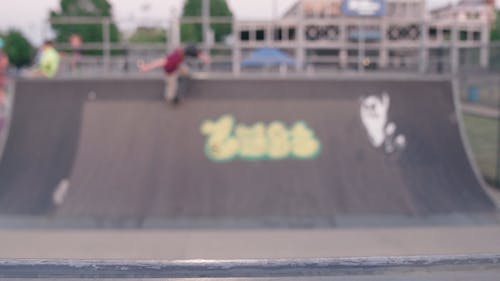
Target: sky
x,y
29,15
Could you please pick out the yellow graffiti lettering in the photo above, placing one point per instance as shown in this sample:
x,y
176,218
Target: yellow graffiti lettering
x,y
305,144
227,140
220,144
253,141
280,145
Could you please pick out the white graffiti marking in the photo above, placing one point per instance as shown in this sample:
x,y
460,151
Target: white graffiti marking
x,y
374,115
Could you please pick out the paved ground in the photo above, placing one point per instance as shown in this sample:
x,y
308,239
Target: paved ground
x,y
453,276
249,244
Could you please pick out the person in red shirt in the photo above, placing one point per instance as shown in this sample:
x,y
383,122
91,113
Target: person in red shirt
x,y
173,67
4,64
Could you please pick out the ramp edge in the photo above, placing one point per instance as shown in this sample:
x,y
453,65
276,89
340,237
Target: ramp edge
x,y
4,136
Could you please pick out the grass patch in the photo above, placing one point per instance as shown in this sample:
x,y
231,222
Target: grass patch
x,y
483,137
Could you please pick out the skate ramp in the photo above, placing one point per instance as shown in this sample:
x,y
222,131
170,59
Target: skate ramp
x,y
40,146
356,148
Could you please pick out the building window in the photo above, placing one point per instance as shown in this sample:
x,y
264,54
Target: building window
x,y
413,32
352,52
353,33
476,36
433,33
447,34
291,34
393,33
260,35
245,35
313,32
278,34
331,32
464,35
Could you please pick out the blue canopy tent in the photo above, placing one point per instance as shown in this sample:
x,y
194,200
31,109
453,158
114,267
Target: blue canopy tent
x,y
265,57
365,35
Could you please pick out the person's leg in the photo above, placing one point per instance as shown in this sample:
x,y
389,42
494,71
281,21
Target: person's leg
x,y
171,86
184,77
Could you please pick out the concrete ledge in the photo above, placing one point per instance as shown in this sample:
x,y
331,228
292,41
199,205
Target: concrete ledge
x,y
248,244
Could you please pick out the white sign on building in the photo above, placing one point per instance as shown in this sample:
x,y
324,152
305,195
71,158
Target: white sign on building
x,y
363,8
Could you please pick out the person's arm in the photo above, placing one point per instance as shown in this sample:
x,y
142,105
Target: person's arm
x,y
205,58
146,67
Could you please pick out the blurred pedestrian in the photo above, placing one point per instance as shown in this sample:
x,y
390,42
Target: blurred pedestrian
x,y
174,67
49,60
75,40
4,64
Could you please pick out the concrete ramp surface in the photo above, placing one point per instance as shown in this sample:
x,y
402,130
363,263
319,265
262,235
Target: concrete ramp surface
x,y
261,152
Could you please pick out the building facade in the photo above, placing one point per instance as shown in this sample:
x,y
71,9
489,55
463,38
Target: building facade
x,y
372,34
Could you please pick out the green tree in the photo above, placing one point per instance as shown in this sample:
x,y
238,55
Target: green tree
x,y
149,35
495,29
90,33
193,32
18,48
495,51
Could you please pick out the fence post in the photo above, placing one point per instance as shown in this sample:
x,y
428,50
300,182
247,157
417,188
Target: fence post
x,y
424,51
236,51
454,56
205,8
174,38
384,52
361,46
343,38
106,43
300,49
485,40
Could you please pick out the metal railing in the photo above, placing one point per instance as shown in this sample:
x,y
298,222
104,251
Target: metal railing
x,y
424,55
439,62
374,266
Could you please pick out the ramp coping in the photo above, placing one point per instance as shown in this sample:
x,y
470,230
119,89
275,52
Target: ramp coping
x,y
4,132
260,76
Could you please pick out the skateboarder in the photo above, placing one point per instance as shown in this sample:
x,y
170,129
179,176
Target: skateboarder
x,y
173,67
